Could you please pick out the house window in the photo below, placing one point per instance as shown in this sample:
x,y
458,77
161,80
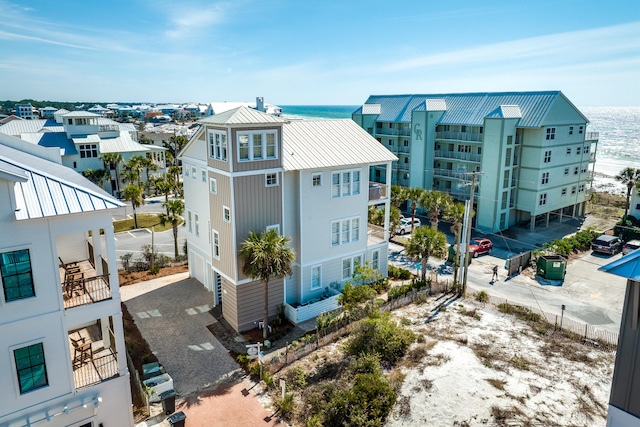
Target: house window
x,y
185,170
406,160
543,199
17,279
193,172
88,150
30,367
216,244
564,191
346,268
580,129
405,142
226,214
375,260
578,149
390,143
551,133
575,170
213,186
505,198
189,222
81,122
218,145
274,227
257,145
566,171
197,225
585,149
583,169
345,183
316,280
70,121
547,156
204,175
581,188
570,130
345,231
271,179
316,179
545,178
573,189
568,151
509,139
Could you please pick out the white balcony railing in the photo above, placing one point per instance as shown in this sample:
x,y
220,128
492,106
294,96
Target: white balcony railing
x,y
460,136
300,313
471,157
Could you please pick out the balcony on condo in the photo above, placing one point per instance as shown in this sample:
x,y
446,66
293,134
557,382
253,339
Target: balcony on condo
x,y
377,191
318,303
392,129
93,354
592,136
448,154
84,273
459,136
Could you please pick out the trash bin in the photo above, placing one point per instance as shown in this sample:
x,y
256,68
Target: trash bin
x,y
168,399
177,419
551,267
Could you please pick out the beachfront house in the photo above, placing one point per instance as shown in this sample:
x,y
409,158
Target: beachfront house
x,y
245,170
82,137
531,151
624,405
63,353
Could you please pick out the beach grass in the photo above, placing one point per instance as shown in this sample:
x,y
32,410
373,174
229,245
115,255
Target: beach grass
x,y
144,221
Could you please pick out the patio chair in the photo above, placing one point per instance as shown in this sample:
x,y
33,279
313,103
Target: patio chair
x,y
74,284
82,353
71,267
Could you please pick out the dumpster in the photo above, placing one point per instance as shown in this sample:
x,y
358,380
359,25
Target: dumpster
x,y
177,419
552,267
168,399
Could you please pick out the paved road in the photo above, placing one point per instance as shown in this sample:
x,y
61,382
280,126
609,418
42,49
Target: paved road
x,y
173,319
132,241
590,296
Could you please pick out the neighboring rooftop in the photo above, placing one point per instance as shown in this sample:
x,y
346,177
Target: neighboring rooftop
x,y
241,115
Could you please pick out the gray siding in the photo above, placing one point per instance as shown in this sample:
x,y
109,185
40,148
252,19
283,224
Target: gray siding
x,y
625,388
256,206
243,305
227,262
257,164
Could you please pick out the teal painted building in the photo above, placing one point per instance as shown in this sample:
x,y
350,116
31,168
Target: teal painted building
x,y
532,150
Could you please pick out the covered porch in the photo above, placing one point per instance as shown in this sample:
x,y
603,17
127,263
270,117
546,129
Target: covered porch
x,y
93,354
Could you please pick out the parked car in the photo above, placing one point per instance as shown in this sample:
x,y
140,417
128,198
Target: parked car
x,y
405,225
480,246
630,246
607,244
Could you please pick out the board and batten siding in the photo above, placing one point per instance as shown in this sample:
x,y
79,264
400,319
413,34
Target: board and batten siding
x,y
227,262
256,207
243,305
256,164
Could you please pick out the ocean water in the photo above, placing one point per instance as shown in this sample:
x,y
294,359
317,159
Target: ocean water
x,y
618,146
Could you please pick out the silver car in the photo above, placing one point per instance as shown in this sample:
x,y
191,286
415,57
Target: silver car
x,y
630,246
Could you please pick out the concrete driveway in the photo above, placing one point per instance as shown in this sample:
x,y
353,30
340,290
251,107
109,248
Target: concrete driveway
x,y
172,313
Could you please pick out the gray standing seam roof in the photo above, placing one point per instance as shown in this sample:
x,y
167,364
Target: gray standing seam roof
x,y
241,115
50,188
469,108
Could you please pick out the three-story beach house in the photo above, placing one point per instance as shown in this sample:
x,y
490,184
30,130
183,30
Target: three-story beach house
x,y
531,151
63,354
245,170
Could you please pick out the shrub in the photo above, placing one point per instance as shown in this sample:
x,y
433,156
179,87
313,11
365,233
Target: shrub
x,y
398,291
285,406
382,336
353,295
398,273
365,364
482,296
126,260
297,378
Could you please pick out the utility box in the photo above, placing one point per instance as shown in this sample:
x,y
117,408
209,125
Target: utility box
x,y
552,267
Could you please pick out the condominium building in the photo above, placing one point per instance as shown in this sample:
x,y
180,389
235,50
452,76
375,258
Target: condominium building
x,y
245,170
25,111
530,151
63,354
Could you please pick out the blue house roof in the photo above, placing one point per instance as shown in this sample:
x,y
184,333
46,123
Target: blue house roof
x,y
628,266
468,108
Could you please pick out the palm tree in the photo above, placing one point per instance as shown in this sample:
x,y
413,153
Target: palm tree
x,y
175,145
434,202
175,209
455,213
134,193
111,162
398,196
424,243
414,194
97,176
629,177
164,187
266,255
148,166
134,169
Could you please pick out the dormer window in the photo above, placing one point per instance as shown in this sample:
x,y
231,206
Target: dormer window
x,y
81,122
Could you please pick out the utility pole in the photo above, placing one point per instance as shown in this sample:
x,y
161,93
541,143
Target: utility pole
x,y
467,237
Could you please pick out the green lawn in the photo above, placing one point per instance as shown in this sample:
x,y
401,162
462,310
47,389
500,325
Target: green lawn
x,y
144,221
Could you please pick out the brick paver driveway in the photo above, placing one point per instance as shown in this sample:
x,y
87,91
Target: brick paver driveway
x,y
173,318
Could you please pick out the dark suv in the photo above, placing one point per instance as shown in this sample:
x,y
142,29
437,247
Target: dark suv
x,y
607,244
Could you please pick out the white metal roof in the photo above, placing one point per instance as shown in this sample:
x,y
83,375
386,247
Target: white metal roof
x,y
371,109
315,144
80,114
50,188
120,144
241,115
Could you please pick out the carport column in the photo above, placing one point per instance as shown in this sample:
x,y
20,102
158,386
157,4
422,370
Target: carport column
x,y
97,251
532,222
546,220
560,220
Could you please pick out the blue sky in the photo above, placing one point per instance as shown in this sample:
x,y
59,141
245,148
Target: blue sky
x,y
317,52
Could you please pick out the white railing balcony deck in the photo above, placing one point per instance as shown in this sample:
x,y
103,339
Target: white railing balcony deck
x,y
387,131
377,191
592,136
81,285
460,136
92,363
298,313
452,174
470,157
375,235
